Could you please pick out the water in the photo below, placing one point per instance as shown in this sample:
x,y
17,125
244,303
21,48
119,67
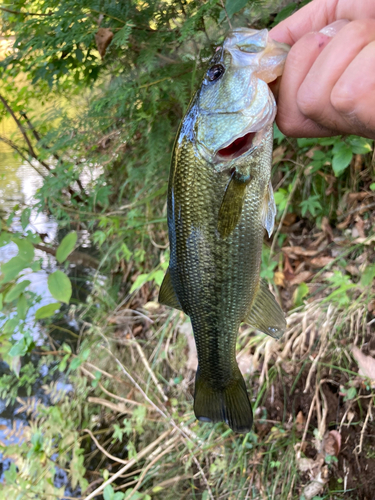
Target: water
x,y
18,185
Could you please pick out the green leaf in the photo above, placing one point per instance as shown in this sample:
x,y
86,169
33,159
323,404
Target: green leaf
x,y
108,492
12,268
1,301
233,6
16,291
25,217
140,281
19,349
158,277
372,186
349,393
47,311
10,325
341,159
360,145
368,275
60,286
22,307
300,293
5,238
284,13
25,249
66,246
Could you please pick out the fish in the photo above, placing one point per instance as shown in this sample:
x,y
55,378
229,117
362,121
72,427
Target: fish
x,y
220,203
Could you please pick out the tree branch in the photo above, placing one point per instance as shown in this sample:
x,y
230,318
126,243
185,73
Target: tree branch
x,y
25,13
20,152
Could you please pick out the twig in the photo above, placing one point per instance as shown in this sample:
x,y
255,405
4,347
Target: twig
x,y
146,469
184,434
22,155
130,464
115,459
226,14
359,447
148,368
25,13
308,420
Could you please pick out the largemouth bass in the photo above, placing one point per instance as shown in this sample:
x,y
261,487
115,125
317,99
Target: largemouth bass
x,y
220,202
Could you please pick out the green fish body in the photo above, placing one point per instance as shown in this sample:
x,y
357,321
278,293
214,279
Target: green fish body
x,y
220,201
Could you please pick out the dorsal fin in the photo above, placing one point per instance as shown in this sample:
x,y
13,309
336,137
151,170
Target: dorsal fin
x,y
167,295
265,313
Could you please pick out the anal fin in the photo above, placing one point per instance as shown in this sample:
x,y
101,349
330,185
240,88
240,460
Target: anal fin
x,y
265,313
167,295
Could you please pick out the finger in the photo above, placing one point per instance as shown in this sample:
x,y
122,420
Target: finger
x,y
319,13
314,94
301,57
354,97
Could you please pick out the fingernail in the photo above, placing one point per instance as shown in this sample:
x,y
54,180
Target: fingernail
x,y
333,28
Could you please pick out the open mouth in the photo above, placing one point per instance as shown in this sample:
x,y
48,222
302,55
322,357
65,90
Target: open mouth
x,y
237,147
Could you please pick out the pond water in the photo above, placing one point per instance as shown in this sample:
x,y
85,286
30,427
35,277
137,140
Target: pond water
x,y
18,185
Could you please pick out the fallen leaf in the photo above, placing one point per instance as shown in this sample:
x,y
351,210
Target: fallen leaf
x,y
103,38
289,219
320,262
187,330
358,229
279,278
352,269
366,364
301,277
315,486
300,422
327,228
332,443
345,223
299,251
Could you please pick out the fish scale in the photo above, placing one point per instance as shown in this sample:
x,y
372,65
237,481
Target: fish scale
x,y
218,210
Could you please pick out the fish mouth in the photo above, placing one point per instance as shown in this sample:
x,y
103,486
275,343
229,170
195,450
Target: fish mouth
x,y
236,148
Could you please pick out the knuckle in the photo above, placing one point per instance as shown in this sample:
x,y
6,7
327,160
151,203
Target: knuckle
x,y
343,100
362,29
309,101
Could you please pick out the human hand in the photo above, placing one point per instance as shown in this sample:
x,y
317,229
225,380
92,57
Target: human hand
x,y
328,84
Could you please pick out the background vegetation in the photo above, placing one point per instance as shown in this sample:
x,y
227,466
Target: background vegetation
x,y
96,90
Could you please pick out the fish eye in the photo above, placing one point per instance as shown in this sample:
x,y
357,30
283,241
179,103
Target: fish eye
x,y
215,72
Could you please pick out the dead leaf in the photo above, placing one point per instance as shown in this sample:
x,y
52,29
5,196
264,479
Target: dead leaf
x,y
187,330
345,223
358,229
279,278
315,486
327,228
301,277
103,38
278,154
320,262
352,269
289,219
293,251
300,422
366,364
332,443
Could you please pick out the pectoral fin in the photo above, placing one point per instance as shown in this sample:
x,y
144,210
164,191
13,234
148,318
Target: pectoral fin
x,y
231,207
269,210
266,314
167,295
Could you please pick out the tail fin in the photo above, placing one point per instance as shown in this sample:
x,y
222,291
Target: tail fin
x,y
230,404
